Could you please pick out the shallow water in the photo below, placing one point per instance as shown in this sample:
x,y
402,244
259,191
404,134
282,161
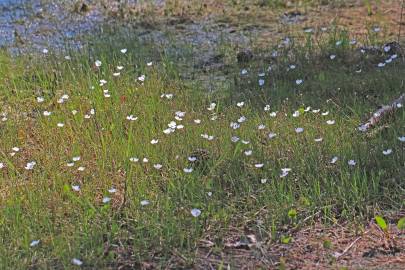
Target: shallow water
x,y
35,24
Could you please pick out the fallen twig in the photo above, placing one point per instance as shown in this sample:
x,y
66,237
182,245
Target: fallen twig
x,y
383,111
337,255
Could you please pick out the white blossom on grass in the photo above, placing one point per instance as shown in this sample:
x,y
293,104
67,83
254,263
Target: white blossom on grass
x,y
195,212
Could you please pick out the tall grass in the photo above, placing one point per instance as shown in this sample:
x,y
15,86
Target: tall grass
x,y
225,184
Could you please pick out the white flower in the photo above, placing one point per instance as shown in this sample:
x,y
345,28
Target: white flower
x,y
97,63
338,43
353,42
234,139
34,243
77,262
60,124
40,99
158,166
296,114
123,50
167,96
212,107
120,67
351,162
334,160
154,141
30,165
112,190
292,66
284,172
376,29
267,108
325,113
248,152
80,169
180,114
145,202
261,82
272,135
45,51
145,160
332,56
195,212
387,152
134,159
381,65
259,165
362,128
2,165
76,187
261,126
132,118
67,57
240,104
188,170
106,199
299,81
116,74
308,30
172,124
46,113
299,130
330,122
242,119
244,72
209,193
319,139
70,164
316,111
245,142
234,125
74,112
197,121
263,181
141,78
207,137
273,114
192,159
168,130
401,139
15,149
77,158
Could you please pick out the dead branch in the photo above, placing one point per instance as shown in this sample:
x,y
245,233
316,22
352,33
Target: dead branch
x,y
337,255
382,112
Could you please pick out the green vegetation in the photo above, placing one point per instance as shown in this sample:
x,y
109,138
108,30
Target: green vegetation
x,y
270,164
